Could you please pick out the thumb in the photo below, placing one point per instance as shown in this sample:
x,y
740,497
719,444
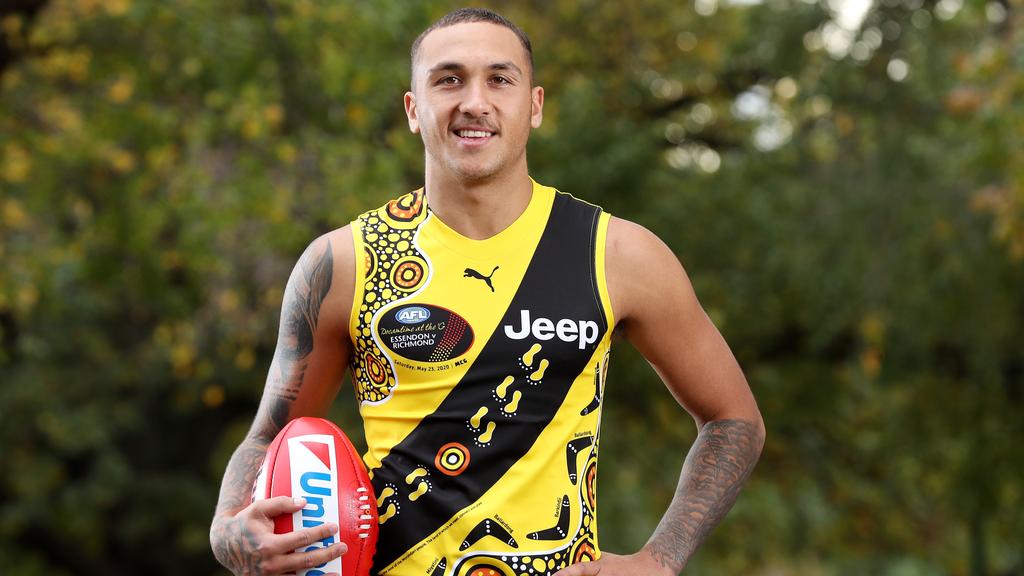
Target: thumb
x,y
278,505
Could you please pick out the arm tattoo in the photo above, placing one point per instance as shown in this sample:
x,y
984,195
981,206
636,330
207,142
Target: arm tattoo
x,y
300,314
233,544
718,464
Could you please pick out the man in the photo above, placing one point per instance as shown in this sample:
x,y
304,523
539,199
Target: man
x,y
476,316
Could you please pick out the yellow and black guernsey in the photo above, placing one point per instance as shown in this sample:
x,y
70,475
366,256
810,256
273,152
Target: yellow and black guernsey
x,y
479,366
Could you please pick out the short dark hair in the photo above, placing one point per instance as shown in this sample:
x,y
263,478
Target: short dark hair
x,y
466,16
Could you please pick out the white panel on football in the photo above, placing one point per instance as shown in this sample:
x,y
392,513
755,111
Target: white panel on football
x,y
314,471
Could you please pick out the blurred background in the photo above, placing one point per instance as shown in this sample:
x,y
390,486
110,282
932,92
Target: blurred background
x,y
843,180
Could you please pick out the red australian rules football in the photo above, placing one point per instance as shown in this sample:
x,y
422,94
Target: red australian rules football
x,y
312,458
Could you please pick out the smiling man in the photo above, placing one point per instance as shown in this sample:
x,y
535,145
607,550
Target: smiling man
x,y
481,393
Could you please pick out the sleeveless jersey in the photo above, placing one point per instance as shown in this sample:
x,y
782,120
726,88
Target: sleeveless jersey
x,y
479,367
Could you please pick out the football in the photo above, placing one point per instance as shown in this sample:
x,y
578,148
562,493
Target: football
x,y
312,458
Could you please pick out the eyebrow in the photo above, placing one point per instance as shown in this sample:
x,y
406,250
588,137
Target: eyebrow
x,y
455,67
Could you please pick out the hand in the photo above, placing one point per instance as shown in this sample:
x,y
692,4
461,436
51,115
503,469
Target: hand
x,y
247,546
609,564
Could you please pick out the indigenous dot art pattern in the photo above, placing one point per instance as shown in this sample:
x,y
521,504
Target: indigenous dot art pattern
x,y
580,548
392,269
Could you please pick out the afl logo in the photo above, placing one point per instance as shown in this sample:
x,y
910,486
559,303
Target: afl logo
x,y
412,315
425,333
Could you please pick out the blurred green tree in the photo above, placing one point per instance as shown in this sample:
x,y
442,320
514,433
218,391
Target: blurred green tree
x,y
843,181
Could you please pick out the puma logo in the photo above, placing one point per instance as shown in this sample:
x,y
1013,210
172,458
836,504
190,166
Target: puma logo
x,y
470,273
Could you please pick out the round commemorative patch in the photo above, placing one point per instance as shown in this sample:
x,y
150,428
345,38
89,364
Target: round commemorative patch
x,y
425,333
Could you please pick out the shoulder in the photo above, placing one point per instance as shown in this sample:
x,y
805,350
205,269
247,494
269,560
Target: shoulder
x,y
629,241
333,251
340,241
343,256
634,251
640,269
324,275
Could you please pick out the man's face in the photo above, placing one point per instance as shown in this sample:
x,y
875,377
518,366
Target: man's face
x,y
472,100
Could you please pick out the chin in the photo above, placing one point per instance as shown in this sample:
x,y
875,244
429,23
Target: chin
x,y
475,172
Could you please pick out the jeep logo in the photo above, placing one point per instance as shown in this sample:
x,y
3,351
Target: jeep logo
x,y
585,331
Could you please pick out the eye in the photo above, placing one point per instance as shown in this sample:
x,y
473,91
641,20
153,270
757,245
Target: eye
x,y
501,80
448,81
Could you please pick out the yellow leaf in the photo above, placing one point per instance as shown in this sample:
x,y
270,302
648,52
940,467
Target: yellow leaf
x,y
122,160
872,328
11,25
121,90
273,114
170,259
213,396
58,113
10,79
182,357
163,335
161,157
356,114
273,296
117,7
251,128
14,214
228,301
85,7
215,99
845,124
286,152
192,66
245,359
49,144
27,297
78,69
16,164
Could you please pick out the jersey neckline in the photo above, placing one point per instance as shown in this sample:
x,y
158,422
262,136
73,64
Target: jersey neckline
x,y
522,233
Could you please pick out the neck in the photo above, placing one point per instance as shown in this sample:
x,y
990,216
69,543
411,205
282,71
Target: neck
x,y
478,209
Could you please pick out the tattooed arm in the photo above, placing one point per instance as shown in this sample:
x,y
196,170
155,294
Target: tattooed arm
x,y
309,362
719,463
658,312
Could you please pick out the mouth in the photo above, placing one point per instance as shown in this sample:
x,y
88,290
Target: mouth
x,y
474,136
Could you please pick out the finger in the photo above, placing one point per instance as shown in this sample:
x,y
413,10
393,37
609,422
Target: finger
x,y
302,538
278,505
304,560
581,569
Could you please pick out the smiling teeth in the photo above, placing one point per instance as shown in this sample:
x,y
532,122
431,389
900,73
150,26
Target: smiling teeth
x,y
473,133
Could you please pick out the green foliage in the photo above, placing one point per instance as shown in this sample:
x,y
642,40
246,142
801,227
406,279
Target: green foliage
x,y
849,203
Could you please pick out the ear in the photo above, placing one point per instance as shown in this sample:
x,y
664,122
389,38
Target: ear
x,y
410,113
536,106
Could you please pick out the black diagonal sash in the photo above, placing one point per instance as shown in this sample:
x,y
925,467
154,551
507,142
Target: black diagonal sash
x,y
559,283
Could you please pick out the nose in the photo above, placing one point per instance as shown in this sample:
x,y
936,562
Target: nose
x,y
476,101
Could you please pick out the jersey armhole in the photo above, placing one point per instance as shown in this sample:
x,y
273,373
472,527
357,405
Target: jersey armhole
x,y
600,271
360,276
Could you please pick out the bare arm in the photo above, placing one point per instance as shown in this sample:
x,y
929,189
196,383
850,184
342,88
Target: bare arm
x,y
715,470
309,363
659,314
